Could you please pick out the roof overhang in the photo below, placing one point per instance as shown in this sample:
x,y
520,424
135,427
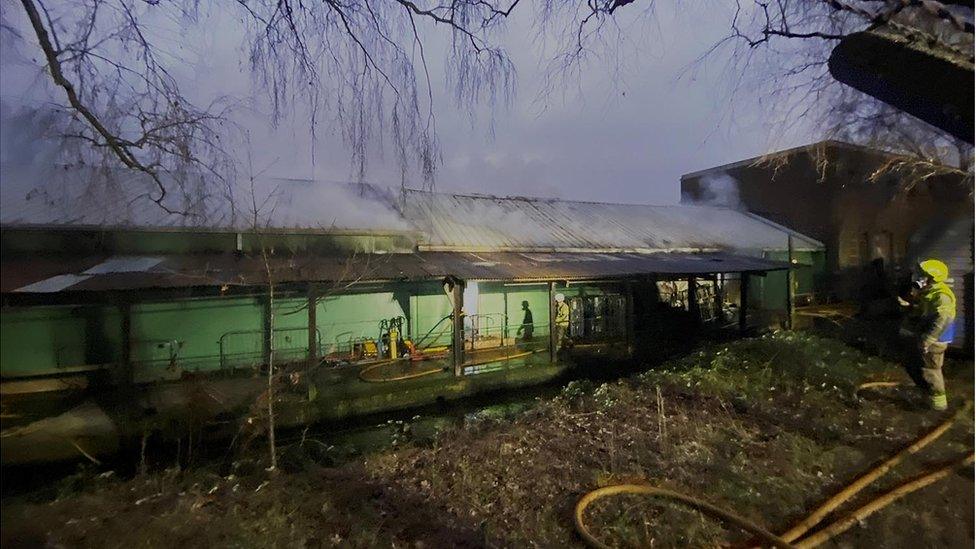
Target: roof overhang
x,y
32,276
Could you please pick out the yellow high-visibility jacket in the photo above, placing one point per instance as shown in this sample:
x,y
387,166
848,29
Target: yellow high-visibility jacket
x,y
562,314
937,312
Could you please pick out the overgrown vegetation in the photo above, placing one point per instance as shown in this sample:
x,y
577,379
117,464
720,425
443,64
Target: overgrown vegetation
x,y
767,427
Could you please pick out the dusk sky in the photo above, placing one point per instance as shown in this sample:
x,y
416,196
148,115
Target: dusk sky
x,y
623,134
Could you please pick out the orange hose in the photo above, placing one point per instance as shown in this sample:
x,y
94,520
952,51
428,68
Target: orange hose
x,y
801,528
866,510
864,480
873,384
500,358
371,367
648,490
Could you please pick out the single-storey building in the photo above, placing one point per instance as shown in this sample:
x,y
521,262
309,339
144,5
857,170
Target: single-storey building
x,y
366,299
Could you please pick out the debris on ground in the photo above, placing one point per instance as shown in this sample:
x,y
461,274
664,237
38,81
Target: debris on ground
x,y
767,427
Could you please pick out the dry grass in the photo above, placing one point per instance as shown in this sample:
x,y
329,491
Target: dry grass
x,y
766,427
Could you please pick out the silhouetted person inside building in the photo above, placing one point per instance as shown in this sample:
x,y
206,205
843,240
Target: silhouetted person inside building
x,y
525,330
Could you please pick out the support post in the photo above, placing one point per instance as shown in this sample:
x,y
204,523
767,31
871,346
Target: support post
x,y
693,299
743,300
789,282
127,372
457,322
552,322
719,295
629,316
505,321
313,340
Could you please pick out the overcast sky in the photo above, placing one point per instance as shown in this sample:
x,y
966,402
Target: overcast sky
x,y
623,135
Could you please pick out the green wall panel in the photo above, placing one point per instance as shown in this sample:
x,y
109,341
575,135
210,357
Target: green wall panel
x,y
291,329
343,317
807,274
491,310
426,311
189,333
47,340
208,334
538,298
40,341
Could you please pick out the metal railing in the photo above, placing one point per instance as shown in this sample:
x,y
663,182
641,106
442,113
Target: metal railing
x,y
479,327
254,357
495,338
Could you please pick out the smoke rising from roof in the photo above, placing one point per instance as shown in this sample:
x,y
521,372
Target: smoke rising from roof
x,y
719,190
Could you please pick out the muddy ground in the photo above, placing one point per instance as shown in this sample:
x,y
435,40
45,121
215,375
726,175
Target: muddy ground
x,y
766,427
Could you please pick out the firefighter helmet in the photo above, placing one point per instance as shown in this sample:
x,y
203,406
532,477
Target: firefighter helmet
x,y
935,269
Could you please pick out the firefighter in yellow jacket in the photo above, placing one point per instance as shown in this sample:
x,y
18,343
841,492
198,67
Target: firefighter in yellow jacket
x,y
562,320
935,316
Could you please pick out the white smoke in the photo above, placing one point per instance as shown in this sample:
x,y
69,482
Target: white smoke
x,y
312,204
720,190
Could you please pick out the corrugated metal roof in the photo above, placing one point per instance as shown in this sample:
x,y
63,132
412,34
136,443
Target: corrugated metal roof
x,y
228,269
87,197
84,196
124,264
486,223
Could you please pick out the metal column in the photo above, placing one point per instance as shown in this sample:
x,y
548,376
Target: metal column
x,y
457,323
629,316
505,322
127,372
552,322
693,299
719,282
789,283
743,300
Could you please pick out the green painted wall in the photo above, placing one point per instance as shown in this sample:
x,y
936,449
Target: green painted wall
x,y
170,338
291,329
188,334
48,340
196,334
427,312
808,274
497,299
341,318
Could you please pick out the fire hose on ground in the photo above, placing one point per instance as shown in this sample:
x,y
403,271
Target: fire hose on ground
x,y
794,537
364,377
364,373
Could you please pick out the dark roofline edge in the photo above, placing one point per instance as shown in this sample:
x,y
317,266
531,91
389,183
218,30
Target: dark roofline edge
x,y
484,196
67,295
787,152
806,247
